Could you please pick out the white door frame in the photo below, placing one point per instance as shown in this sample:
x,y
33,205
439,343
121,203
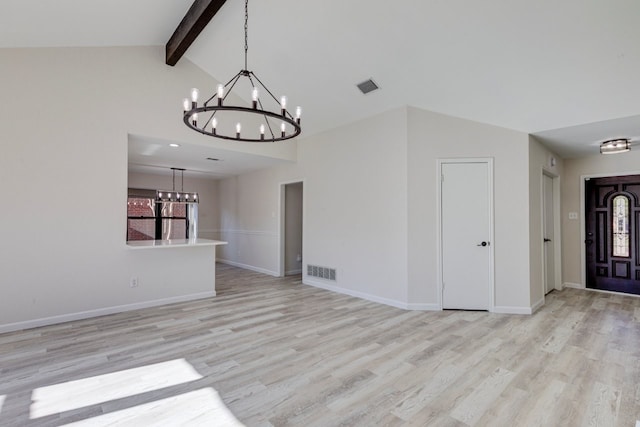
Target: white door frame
x,y
557,246
489,162
281,223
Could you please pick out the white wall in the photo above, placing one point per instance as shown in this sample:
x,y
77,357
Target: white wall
x,y
433,136
539,161
355,209
356,205
207,189
371,207
249,220
572,241
65,119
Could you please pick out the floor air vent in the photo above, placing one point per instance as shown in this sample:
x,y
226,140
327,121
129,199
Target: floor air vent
x,y
321,272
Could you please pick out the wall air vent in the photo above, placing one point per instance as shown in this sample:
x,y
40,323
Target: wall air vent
x,y
367,86
321,272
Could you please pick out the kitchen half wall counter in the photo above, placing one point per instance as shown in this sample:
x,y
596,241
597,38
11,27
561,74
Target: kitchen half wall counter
x,y
184,270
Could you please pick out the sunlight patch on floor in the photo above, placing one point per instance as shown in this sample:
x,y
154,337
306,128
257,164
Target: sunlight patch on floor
x,y
202,407
58,398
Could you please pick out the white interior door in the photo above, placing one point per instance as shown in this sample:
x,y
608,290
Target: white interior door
x,y
548,236
466,235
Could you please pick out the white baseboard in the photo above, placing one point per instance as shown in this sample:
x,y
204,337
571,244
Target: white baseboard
x,y
248,267
369,297
537,305
573,285
423,307
46,321
505,309
292,272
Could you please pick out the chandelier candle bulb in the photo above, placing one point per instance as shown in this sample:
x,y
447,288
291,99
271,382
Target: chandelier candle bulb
x,y
254,97
194,119
214,124
283,128
238,129
185,105
262,132
220,93
298,114
194,98
283,105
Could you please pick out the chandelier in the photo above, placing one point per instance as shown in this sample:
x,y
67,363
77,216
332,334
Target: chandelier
x,y
615,146
265,119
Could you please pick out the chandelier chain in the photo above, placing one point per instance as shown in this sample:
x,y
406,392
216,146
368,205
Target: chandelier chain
x,y
246,31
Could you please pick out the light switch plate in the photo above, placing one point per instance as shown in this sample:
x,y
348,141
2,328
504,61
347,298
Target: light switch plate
x,y
573,215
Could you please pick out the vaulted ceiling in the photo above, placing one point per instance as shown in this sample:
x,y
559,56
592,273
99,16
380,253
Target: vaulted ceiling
x,y
566,71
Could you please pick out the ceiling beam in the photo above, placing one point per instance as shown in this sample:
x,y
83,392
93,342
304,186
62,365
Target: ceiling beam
x,y
197,17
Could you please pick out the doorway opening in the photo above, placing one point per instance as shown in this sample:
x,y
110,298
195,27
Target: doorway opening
x,y
612,233
291,228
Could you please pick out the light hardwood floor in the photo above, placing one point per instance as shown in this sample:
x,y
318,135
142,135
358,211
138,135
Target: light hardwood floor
x,y
274,352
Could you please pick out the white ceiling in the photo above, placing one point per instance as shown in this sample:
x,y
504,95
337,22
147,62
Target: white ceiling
x,y
156,156
566,71
59,23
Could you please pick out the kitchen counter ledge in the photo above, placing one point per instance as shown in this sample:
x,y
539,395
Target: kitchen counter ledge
x,y
177,243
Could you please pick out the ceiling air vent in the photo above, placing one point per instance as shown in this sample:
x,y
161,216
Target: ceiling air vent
x,y
368,86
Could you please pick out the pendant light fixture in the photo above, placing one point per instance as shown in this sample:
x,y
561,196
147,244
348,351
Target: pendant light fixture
x,y
615,146
265,119
177,195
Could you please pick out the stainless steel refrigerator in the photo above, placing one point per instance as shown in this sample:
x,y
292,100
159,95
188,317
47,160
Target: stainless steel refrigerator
x,y
178,220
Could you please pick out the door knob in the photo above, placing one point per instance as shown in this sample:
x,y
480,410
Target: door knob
x,y
547,240
484,244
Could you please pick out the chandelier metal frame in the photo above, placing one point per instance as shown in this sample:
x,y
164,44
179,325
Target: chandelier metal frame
x,y
289,125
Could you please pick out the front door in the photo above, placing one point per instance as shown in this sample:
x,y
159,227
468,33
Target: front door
x,y
466,235
612,213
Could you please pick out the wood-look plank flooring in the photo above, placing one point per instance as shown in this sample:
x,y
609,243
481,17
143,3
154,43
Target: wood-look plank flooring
x,y
273,352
